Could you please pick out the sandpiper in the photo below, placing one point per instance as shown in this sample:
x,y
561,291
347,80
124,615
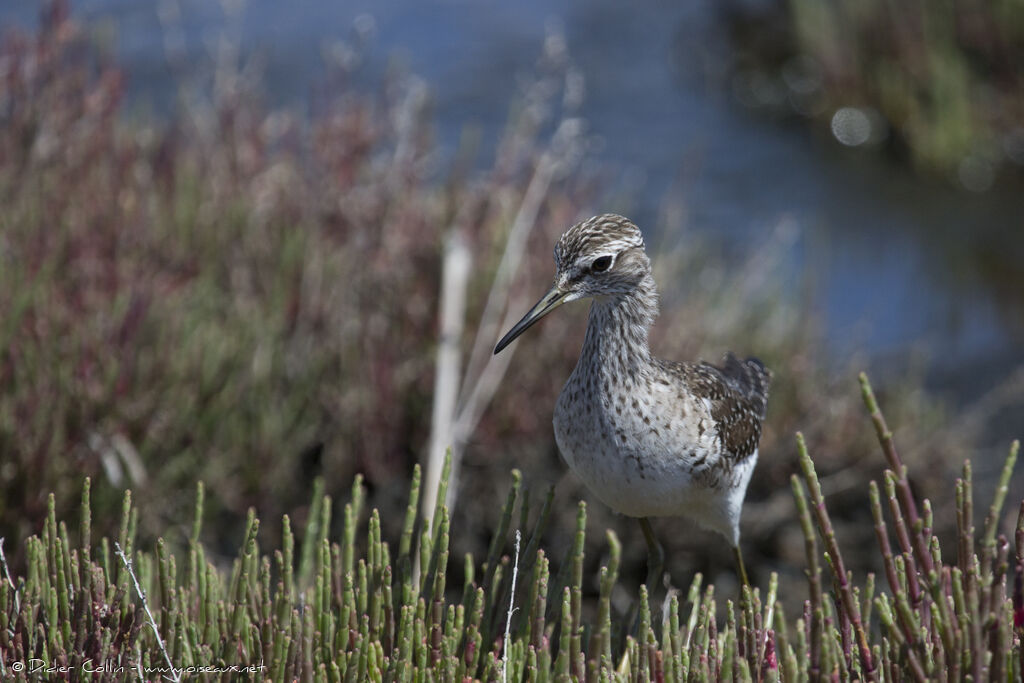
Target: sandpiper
x,y
648,437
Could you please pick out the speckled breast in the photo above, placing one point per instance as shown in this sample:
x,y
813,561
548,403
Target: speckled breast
x,y
641,451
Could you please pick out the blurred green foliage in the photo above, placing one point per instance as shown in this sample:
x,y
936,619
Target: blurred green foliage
x,y
945,77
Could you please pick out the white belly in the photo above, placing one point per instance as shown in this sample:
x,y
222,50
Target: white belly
x,y
644,458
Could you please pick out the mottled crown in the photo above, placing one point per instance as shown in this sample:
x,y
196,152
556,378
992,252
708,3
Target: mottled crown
x,y
607,233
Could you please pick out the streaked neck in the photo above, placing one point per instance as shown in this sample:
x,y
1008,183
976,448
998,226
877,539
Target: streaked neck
x,y
618,328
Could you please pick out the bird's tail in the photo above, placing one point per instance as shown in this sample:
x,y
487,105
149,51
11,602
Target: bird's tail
x,y
752,377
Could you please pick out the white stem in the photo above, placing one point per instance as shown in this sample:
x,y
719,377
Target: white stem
x,y
455,277
494,367
511,611
17,606
7,576
175,676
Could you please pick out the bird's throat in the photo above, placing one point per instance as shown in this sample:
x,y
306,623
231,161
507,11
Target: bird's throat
x,y
616,343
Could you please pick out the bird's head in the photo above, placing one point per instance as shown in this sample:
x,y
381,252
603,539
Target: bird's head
x,y
600,257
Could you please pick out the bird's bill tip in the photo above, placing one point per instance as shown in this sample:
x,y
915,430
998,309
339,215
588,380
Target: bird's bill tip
x,y
549,302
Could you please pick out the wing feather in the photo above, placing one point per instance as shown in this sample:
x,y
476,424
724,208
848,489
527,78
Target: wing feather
x,y
738,394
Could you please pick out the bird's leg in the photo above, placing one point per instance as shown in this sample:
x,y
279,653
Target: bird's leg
x,y
655,556
740,568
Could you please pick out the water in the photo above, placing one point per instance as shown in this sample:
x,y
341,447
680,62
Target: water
x,y
901,261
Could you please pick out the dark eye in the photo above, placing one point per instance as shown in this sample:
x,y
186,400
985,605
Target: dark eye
x,y
601,264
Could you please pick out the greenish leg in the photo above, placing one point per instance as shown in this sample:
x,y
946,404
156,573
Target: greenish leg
x,y
740,567
655,556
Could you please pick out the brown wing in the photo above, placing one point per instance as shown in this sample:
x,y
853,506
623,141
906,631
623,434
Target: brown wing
x,y
738,393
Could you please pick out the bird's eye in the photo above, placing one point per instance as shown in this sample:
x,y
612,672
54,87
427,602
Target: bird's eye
x,y
601,264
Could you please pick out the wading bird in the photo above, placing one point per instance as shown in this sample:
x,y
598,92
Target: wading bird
x,y
648,437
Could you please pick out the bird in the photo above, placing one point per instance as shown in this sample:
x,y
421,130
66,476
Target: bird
x,y
648,437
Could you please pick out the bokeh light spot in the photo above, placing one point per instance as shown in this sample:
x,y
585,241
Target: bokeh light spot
x,y
851,126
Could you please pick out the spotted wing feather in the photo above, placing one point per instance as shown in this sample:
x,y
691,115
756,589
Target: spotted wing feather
x,y
738,394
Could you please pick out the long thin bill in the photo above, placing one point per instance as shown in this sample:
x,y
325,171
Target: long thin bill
x,y
549,302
